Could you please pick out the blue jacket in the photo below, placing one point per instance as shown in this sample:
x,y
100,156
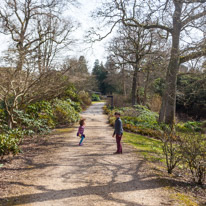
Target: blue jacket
x,y
118,129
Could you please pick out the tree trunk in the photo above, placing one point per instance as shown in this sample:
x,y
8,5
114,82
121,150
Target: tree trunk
x,y
146,87
9,111
21,59
168,107
138,88
123,81
134,86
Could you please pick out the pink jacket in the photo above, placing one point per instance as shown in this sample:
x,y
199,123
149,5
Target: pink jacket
x,y
80,131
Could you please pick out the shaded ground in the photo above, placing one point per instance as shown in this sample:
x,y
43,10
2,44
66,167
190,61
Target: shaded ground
x,y
66,174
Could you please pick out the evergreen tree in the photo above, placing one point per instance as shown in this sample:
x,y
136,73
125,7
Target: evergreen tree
x,y
101,73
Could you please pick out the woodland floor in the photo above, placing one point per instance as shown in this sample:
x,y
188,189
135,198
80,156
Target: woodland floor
x,y
56,171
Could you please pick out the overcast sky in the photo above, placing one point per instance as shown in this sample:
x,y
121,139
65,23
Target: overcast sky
x,y
82,14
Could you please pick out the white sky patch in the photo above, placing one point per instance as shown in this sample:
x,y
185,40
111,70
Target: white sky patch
x,y
83,15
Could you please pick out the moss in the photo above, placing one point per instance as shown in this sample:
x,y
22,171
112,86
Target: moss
x,y
184,200
63,130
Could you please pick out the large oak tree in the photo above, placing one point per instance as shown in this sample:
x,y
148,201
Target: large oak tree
x,y
180,21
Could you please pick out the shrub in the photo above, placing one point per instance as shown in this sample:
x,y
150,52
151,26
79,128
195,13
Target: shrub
x,y
76,105
64,113
190,102
43,111
32,125
139,119
71,93
106,109
196,126
159,86
170,149
95,97
193,149
189,126
84,98
9,142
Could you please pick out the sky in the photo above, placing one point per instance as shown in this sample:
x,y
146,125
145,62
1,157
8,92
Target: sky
x,y
82,14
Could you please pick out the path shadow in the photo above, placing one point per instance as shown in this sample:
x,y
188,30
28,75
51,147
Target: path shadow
x,y
104,191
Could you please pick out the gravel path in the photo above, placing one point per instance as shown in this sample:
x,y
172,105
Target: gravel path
x,y
89,175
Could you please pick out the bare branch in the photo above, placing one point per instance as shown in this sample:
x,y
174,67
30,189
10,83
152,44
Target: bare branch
x,y
192,18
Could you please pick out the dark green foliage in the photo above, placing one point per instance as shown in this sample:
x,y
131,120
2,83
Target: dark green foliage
x,y
140,116
139,119
64,113
101,73
29,124
159,86
43,111
40,117
9,142
75,105
190,126
3,122
191,94
95,97
70,93
51,114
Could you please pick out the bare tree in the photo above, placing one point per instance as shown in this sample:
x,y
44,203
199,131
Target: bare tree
x,y
131,47
178,20
36,36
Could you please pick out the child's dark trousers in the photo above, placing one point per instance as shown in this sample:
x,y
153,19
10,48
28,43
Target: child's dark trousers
x,y
119,145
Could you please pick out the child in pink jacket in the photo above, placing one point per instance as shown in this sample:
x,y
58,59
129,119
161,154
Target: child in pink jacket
x,y
80,132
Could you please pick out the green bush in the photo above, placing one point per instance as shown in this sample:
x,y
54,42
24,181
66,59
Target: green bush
x,y
43,111
64,113
189,126
158,86
9,142
85,99
71,93
76,105
95,97
193,150
31,125
191,95
139,119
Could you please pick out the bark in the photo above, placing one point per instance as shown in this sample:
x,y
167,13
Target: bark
x,y
21,58
134,86
168,107
123,81
138,88
146,87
